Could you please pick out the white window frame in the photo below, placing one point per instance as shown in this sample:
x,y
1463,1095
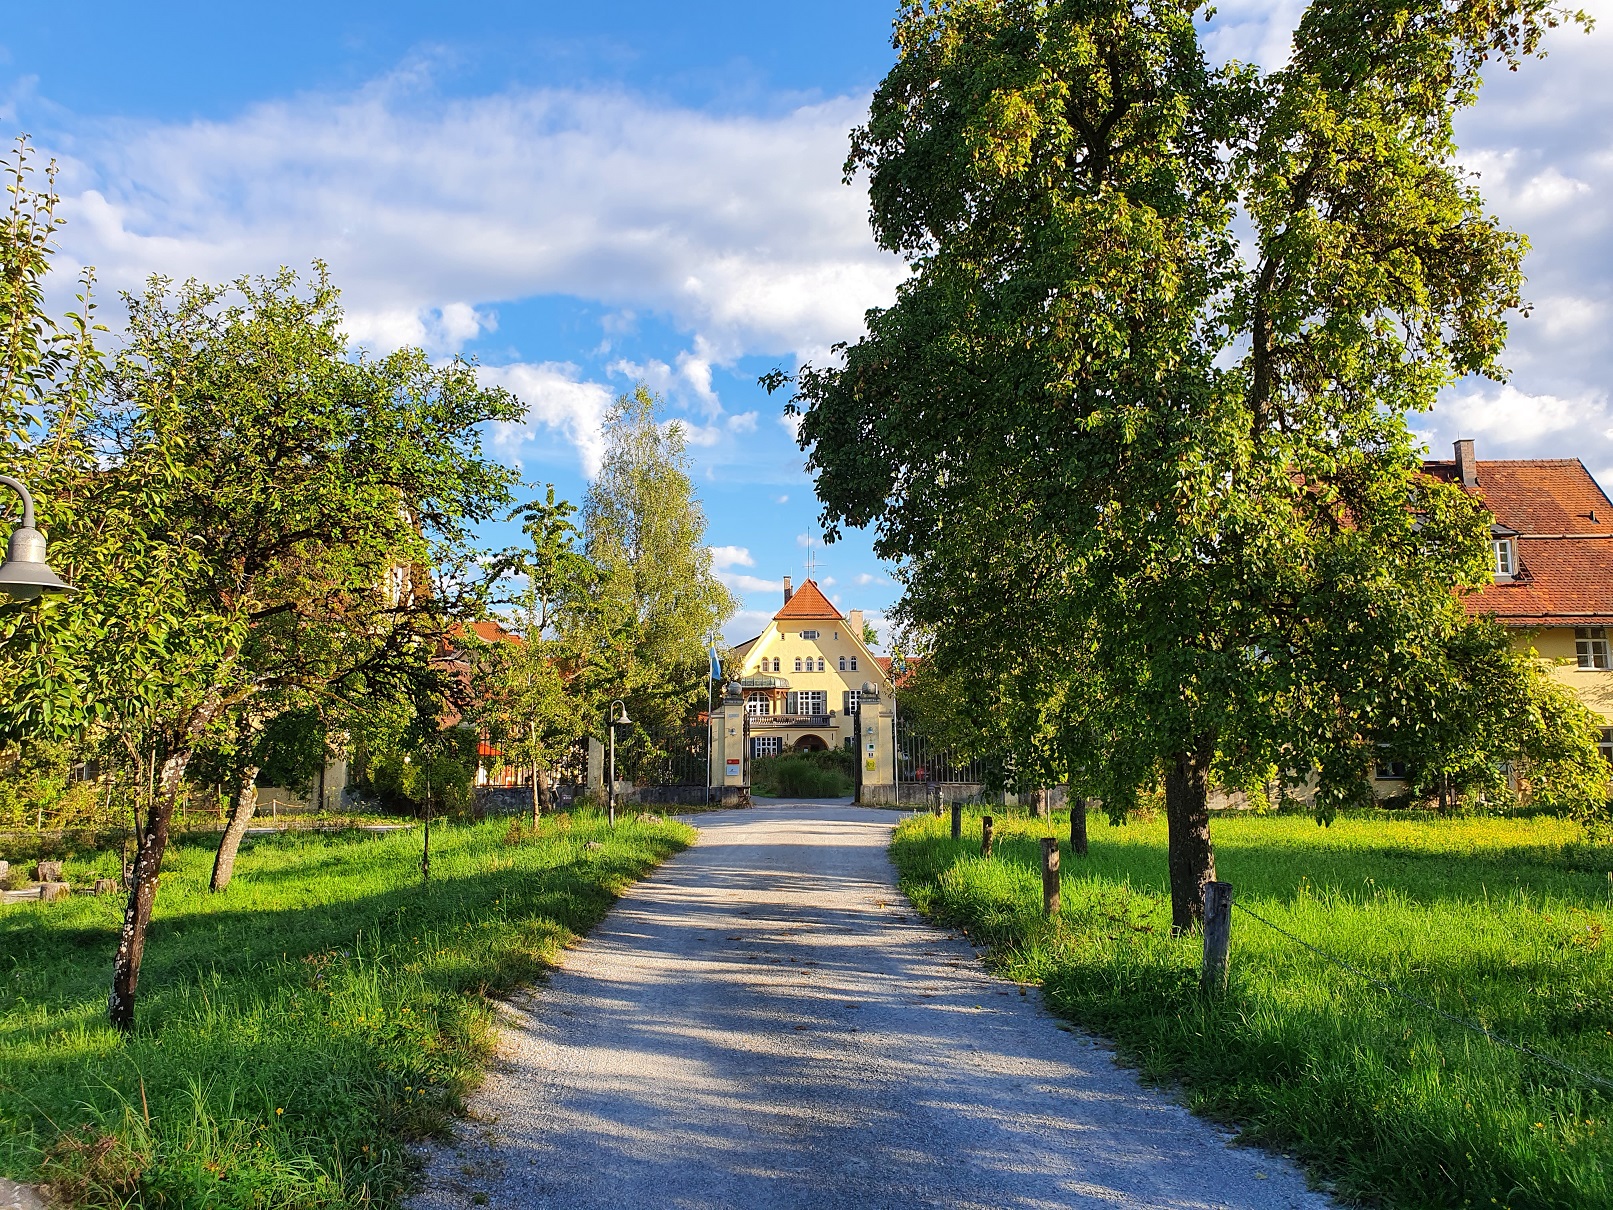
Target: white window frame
x,y
759,704
1604,744
766,745
820,664
1506,559
812,702
809,634
798,663
842,663
854,663
1590,647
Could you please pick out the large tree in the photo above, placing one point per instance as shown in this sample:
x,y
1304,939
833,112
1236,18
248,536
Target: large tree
x,y
1172,460
658,604
250,522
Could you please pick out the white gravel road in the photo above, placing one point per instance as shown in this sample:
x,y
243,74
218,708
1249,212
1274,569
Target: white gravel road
x,y
765,1022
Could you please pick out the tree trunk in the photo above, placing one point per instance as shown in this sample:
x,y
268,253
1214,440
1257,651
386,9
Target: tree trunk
x,y
1078,826
537,801
1039,802
242,807
143,891
1187,813
540,778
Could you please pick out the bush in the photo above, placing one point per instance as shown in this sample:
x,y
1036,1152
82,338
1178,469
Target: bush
x,y
825,774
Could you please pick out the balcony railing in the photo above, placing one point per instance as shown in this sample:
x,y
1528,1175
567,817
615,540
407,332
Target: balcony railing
x,y
767,722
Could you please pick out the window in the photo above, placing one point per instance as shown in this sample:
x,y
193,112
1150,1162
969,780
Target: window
x,y
854,663
849,700
766,745
1604,744
1590,646
1504,562
1391,770
809,634
798,663
820,663
814,701
842,663
776,665
759,704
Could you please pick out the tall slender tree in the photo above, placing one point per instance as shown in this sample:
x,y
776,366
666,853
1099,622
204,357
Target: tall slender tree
x,y
658,603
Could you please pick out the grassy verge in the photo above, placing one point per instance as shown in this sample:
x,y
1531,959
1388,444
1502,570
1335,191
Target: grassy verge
x,y
300,1029
1506,922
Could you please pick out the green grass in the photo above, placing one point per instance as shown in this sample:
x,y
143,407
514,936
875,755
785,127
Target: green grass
x,y
1502,921
297,1031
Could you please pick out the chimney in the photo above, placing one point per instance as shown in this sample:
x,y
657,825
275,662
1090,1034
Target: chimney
x,y
789,591
1467,467
854,620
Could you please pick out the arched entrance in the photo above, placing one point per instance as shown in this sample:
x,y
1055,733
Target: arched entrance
x,y
809,743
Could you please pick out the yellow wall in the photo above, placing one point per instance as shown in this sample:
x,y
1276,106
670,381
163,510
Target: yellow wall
x,y
1594,687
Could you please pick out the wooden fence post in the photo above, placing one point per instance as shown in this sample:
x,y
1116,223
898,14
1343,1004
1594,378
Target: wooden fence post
x,y
1217,934
957,821
1078,826
1050,876
985,836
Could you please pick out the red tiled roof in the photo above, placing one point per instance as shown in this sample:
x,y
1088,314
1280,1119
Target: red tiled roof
x,y
884,662
807,601
1564,523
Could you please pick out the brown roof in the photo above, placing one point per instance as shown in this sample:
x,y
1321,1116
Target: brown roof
x,y
1564,523
884,662
807,601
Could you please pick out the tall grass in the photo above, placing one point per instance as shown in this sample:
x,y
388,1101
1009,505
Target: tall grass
x,y
1503,922
298,1031
826,774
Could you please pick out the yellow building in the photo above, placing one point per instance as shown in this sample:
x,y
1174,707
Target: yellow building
x,y
807,682
1552,539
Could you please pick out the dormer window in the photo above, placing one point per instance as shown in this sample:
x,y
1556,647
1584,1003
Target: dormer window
x,y
1506,562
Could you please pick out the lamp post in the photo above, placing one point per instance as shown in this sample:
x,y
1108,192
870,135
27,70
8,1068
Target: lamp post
x,y
618,714
25,575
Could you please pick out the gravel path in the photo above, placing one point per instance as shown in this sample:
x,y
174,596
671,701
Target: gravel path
x,y
765,1022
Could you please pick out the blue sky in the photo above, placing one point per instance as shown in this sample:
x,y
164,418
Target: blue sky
x,y
583,195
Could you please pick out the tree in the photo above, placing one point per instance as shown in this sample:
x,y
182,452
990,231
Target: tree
x,y
536,697
254,488
658,604
1184,467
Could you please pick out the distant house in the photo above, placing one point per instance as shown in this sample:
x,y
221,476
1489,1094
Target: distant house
x,y
801,684
1552,587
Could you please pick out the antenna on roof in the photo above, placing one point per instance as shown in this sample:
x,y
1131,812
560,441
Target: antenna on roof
x,y
811,559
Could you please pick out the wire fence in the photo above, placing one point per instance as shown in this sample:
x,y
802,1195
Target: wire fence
x,y
1475,1026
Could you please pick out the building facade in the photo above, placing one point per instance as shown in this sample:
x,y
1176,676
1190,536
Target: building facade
x,y
808,682
1552,587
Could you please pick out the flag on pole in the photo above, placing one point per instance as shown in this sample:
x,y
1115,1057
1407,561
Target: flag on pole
x,y
716,664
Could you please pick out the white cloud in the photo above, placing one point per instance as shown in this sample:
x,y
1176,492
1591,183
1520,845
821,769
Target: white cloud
x,y
781,499
746,624
557,400
736,226
731,556
805,540
864,579
740,582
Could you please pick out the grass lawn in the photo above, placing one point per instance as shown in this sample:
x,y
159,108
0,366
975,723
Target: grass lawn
x,y
296,1031
1502,921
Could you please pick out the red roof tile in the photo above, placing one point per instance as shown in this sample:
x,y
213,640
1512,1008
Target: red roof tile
x,y
808,601
1564,523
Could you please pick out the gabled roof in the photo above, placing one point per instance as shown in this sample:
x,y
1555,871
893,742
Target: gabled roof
x,y
808,602
1564,526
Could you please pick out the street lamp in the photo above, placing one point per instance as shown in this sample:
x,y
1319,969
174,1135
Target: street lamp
x,y
618,714
25,575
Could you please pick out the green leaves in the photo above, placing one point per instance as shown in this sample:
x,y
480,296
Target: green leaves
x,y
1148,482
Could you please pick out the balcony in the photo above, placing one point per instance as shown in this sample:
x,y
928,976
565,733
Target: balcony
x,y
784,722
